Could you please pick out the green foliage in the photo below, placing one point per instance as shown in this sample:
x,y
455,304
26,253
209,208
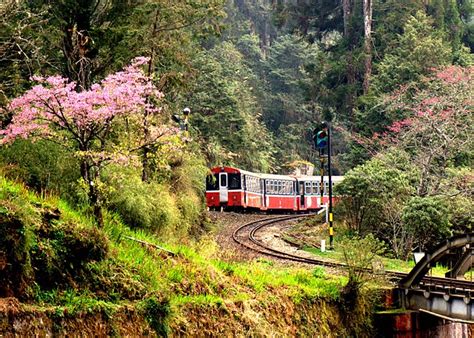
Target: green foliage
x,y
16,239
140,204
172,30
390,18
25,46
44,166
226,111
374,196
367,189
171,204
461,211
419,50
428,218
156,313
38,246
360,254
291,66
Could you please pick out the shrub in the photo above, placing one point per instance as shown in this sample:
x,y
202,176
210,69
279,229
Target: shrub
x,y
140,204
428,219
156,313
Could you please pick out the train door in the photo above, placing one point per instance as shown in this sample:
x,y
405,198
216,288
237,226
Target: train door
x,y
223,188
302,199
244,188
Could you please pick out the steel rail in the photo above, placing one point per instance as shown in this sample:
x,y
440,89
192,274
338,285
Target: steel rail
x,y
430,283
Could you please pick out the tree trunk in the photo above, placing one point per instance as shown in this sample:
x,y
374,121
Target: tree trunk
x,y
94,201
350,69
78,46
146,127
346,7
93,194
367,44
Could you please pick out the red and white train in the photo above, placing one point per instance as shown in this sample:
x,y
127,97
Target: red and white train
x,y
235,188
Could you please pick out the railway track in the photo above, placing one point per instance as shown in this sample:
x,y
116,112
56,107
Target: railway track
x,y
245,235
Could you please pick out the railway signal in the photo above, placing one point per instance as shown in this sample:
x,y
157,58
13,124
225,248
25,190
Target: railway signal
x,y
322,142
321,139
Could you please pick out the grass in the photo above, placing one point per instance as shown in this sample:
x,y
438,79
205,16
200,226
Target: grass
x,y
312,227
390,264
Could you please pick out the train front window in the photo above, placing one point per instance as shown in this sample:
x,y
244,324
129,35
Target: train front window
x,y
211,182
234,182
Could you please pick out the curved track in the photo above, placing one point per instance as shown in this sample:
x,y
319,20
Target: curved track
x,y
245,235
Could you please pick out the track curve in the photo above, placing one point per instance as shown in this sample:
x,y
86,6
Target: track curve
x,y
245,235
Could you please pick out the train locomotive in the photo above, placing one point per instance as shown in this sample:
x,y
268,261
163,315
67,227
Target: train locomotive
x,y
228,187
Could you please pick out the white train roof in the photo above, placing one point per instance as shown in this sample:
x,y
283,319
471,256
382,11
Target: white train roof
x,y
277,177
336,178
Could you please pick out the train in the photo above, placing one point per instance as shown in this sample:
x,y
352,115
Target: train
x,y
233,188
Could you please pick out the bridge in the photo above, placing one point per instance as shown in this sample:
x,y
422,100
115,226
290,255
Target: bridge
x,y
451,297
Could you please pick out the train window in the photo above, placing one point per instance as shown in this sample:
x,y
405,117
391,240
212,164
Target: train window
x,y
272,187
326,187
318,190
258,185
211,182
223,180
307,186
315,188
234,181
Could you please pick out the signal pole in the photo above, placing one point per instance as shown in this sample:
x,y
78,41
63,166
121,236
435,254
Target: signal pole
x,y
331,229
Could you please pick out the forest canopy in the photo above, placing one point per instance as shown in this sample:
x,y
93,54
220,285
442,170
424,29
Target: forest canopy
x,y
394,78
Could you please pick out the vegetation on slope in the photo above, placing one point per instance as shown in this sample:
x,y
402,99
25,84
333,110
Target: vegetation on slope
x,y
56,258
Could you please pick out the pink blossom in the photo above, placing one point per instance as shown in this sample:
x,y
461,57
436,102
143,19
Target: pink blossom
x,y
455,74
397,126
430,101
55,104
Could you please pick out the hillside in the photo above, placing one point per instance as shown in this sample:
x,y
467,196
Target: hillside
x,y
63,273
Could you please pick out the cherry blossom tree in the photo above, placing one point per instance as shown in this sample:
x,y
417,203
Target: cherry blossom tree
x,y
102,124
438,125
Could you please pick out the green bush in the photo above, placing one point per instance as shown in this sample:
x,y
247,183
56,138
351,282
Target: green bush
x,y
140,204
428,218
169,205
